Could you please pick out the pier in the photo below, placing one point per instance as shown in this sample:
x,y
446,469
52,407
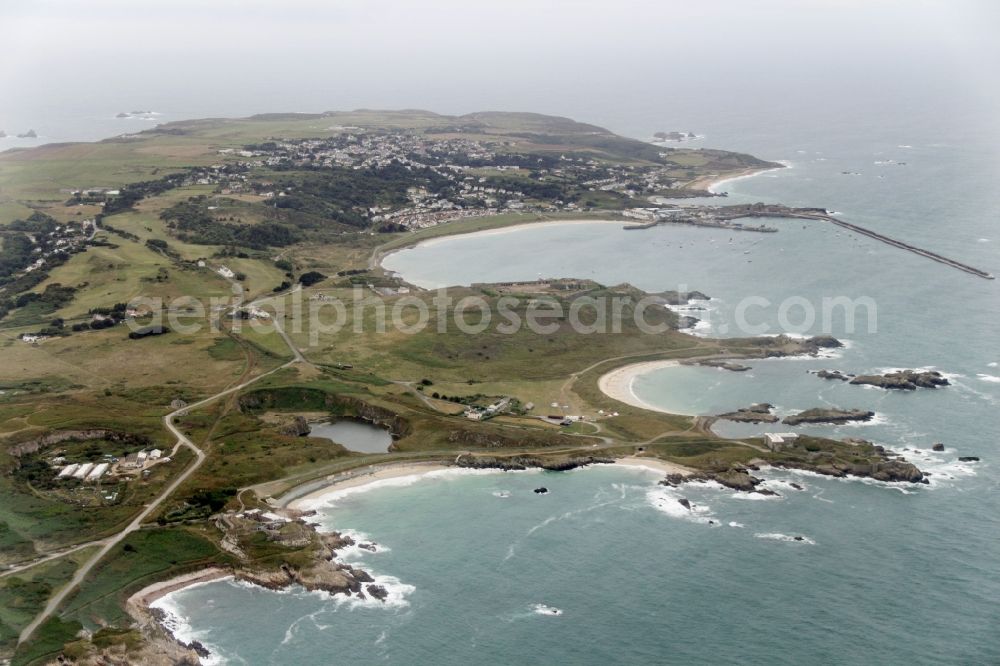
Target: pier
x,y
722,217
933,256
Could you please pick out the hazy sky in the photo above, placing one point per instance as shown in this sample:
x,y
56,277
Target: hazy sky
x,y
228,57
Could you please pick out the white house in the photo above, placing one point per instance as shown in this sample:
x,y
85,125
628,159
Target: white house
x,y
777,440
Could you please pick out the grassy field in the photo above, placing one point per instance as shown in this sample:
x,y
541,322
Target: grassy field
x,y
50,523
23,595
102,379
107,359
142,558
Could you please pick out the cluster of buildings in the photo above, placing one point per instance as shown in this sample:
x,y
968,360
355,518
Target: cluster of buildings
x,y
84,471
63,238
91,472
474,176
420,217
477,413
359,149
706,216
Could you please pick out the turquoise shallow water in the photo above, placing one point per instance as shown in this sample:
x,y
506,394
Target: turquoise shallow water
x,y
885,575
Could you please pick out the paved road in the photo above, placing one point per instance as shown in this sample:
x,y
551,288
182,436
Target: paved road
x,y
110,542
55,555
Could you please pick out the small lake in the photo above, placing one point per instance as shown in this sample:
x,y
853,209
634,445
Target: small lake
x,y
353,435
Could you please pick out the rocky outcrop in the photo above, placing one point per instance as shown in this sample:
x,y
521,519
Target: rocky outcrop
x,y
486,437
518,463
335,541
324,575
297,398
682,297
686,321
831,374
823,342
161,646
905,380
849,458
881,470
723,365
298,427
938,447
736,478
781,345
33,445
823,415
377,592
756,413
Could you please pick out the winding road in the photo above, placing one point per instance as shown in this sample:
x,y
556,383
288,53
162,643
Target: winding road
x,y
182,440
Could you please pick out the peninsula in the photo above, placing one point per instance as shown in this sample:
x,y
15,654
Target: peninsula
x,y
136,448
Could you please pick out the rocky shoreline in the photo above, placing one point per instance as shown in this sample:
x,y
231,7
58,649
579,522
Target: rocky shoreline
x,y
322,572
721,365
740,479
824,415
325,575
756,413
521,463
900,380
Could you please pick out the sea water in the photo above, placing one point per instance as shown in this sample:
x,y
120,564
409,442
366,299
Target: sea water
x,y
609,567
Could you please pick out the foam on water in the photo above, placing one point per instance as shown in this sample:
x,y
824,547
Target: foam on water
x,y
397,593
542,609
329,499
175,622
778,536
666,500
941,466
355,552
782,484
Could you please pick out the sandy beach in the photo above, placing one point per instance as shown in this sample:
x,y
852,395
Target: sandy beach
x,y
381,257
357,478
617,384
373,476
655,464
138,604
149,594
711,183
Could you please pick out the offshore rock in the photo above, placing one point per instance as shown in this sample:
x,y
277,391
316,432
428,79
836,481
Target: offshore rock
x,y
906,380
831,374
